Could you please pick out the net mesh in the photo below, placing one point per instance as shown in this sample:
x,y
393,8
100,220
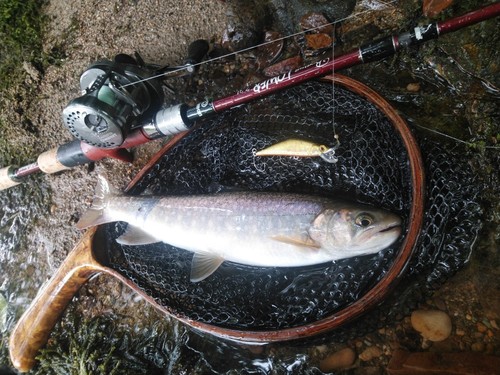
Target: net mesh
x,y
373,168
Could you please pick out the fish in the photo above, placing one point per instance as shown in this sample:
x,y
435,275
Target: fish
x,y
265,229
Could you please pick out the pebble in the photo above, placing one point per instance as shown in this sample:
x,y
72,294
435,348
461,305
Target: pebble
x,y
433,325
481,327
317,23
370,353
413,87
339,360
283,66
319,41
477,347
440,304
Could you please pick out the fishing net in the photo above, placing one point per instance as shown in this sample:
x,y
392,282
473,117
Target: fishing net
x,y
372,168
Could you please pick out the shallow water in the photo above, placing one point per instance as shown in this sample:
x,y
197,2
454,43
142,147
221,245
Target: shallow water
x,y
21,270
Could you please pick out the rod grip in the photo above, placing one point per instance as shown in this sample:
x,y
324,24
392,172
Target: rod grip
x,y
49,162
33,329
6,178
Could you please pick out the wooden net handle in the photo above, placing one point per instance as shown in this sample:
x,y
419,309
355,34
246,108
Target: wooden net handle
x,y
33,329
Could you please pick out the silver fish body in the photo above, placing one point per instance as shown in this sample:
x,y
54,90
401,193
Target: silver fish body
x,y
259,229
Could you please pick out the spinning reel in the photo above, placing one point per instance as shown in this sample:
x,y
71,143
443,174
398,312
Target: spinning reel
x,y
119,95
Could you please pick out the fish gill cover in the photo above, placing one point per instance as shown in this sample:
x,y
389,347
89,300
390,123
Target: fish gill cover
x,y
373,168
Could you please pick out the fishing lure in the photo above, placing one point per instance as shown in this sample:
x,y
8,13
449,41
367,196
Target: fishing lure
x,y
300,148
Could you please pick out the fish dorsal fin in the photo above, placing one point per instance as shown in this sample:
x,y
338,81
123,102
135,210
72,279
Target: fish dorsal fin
x,y
204,264
303,242
135,236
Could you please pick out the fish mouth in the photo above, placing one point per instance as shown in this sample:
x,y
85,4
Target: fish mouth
x,y
394,227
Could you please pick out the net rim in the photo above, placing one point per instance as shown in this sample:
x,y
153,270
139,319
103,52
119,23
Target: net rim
x,y
379,291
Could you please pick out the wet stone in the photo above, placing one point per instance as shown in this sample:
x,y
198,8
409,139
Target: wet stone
x,y
271,50
319,41
339,360
478,347
413,87
431,8
481,327
283,66
316,22
433,325
370,353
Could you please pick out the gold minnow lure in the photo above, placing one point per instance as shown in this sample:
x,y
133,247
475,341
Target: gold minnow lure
x,y
300,148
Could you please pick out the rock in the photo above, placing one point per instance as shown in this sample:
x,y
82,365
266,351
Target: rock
x,y
316,23
405,363
319,41
431,8
283,66
438,302
413,87
433,325
271,50
339,360
370,353
481,327
477,347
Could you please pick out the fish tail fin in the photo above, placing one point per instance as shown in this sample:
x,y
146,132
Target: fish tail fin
x,y
97,213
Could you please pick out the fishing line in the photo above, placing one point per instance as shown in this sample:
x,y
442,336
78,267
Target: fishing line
x,y
359,14
454,138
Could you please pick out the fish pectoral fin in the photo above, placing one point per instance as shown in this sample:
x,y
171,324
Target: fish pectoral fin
x,y
298,241
135,236
204,264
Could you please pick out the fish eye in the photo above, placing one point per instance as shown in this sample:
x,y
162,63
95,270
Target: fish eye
x,y
364,220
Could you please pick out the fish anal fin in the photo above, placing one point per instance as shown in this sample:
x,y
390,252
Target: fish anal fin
x,y
135,236
93,217
204,264
303,242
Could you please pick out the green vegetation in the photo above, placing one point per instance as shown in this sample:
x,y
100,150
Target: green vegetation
x,y
100,346
21,24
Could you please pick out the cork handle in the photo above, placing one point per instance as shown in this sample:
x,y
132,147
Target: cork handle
x,y
49,162
33,329
6,180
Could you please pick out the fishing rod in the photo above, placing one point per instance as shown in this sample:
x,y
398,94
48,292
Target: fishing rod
x,y
117,110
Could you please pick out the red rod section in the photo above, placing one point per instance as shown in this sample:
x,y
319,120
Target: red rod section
x,y
373,51
77,153
470,18
288,79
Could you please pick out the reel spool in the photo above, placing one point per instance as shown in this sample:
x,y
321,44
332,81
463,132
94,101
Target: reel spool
x,y
115,98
